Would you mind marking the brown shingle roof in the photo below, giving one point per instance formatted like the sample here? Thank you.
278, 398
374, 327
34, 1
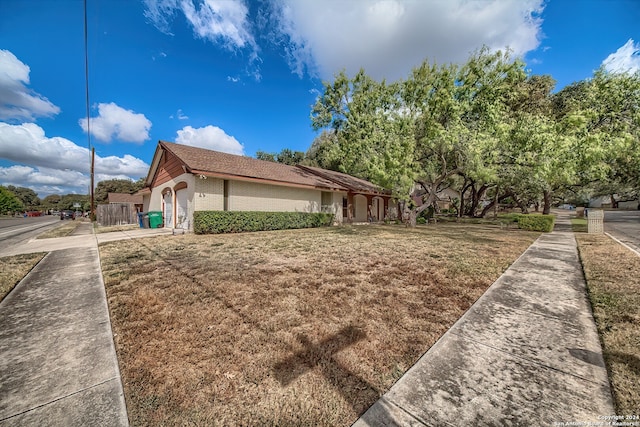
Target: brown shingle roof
200, 160
124, 198
351, 182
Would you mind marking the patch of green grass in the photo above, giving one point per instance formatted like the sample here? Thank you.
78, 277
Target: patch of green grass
14, 268
579, 225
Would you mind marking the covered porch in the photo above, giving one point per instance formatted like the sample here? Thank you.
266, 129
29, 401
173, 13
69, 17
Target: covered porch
366, 207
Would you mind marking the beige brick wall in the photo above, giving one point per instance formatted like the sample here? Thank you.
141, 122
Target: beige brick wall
337, 206
249, 196
209, 194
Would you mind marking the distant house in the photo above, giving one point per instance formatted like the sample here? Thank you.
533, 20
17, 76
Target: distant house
119, 198
444, 199
184, 179
606, 202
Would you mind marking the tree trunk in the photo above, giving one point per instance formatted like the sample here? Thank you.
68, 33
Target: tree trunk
471, 207
493, 204
465, 187
546, 195
477, 195
412, 219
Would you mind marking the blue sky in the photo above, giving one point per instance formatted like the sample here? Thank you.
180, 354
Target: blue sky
241, 75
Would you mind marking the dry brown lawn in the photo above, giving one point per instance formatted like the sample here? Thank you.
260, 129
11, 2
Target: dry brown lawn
613, 279
299, 327
14, 268
64, 229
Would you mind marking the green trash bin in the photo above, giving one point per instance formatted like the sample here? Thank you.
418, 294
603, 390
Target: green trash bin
155, 219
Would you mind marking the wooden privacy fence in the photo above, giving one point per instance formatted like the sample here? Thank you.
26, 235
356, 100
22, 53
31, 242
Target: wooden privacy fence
116, 214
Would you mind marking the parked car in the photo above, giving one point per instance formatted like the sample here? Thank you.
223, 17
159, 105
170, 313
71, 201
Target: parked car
67, 215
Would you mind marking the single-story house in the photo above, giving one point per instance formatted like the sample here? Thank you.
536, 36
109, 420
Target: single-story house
606, 202
184, 179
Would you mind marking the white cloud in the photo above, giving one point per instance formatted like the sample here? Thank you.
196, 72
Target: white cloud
389, 37
114, 121
17, 102
45, 181
57, 165
180, 115
209, 137
221, 22
624, 60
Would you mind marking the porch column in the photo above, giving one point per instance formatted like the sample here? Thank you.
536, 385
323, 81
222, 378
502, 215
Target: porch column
385, 201
349, 207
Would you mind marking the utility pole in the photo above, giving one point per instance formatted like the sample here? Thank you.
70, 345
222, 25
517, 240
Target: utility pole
92, 214
86, 76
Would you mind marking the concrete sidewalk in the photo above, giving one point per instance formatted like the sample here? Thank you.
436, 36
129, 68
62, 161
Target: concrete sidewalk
527, 353
58, 364
80, 239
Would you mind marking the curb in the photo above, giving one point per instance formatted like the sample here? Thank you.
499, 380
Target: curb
623, 244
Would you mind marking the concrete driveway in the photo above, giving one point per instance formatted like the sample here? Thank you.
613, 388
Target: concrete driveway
624, 226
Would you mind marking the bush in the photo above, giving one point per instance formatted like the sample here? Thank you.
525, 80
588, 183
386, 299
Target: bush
533, 222
421, 220
214, 222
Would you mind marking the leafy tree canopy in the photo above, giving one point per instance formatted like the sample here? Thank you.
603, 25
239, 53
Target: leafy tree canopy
286, 156
9, 202
487, 128
27, 196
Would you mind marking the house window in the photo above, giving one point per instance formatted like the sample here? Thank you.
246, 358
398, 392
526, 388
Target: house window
226, 194
345, 207
327, 201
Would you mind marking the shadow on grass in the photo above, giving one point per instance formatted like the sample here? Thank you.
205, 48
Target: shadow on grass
353, 389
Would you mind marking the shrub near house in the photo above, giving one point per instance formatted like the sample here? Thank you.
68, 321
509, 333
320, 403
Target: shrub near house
532, 222
213, 222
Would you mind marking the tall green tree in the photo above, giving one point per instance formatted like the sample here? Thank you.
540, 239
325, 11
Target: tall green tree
416, 136
9, 202
27, 196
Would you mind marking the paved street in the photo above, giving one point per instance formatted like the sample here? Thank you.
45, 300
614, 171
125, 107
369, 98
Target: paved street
624, 226
16, 231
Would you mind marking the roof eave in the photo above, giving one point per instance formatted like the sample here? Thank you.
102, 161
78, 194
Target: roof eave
265, 181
